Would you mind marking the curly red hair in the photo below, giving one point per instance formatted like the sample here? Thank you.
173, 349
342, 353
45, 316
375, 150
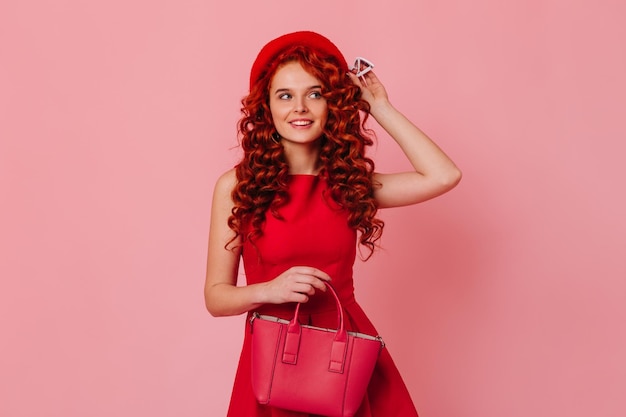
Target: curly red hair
263, 172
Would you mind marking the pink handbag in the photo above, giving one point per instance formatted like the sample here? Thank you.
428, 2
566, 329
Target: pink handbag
311, 369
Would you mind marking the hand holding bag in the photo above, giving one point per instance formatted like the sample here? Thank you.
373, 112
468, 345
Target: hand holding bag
311, 369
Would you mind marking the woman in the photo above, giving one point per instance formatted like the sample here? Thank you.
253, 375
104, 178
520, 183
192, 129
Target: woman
302, 195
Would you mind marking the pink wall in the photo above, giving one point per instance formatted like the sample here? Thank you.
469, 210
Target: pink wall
504, 298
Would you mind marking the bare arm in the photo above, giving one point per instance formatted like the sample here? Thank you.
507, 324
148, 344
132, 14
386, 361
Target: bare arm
222, 295
434, 174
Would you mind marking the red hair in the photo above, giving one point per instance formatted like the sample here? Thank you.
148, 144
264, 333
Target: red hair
263, 172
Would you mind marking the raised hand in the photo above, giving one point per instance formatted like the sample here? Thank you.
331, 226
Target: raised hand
372, 89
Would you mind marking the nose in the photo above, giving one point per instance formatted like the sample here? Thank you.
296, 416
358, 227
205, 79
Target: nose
300, 105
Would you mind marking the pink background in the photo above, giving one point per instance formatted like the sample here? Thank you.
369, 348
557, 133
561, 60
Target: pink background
505, 297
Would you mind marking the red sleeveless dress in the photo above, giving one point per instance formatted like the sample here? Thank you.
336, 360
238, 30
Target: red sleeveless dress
314, 232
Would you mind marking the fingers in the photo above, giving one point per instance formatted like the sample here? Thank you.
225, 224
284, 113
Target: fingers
355, 80
366, 81
371, 77
308, 271
309, 280
296, 284
305, 289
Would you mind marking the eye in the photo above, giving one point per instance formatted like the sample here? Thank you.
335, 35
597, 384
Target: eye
284, 96
316, 94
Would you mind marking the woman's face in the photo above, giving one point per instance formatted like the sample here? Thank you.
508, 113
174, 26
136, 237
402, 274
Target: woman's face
299, 111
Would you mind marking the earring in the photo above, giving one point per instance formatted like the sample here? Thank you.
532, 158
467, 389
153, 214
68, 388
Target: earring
276, 138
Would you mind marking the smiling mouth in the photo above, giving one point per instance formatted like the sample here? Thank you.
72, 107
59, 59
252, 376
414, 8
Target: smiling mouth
301, 122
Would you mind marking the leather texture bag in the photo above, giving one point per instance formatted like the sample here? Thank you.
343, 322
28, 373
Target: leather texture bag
311, 369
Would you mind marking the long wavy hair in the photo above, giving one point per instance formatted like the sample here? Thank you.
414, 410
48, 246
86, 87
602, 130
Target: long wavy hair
263, 172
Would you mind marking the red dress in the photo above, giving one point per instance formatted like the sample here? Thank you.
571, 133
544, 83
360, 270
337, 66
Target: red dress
314, 232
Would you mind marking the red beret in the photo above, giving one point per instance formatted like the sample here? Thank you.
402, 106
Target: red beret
313, 40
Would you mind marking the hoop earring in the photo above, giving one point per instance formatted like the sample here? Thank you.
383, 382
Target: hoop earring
276, 138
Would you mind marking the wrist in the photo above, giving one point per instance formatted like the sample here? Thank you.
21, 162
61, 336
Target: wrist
259, 295
381, 108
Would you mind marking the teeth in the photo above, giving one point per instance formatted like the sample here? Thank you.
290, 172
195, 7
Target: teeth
301, 122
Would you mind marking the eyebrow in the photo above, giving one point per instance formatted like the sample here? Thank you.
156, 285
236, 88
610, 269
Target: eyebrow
286, 90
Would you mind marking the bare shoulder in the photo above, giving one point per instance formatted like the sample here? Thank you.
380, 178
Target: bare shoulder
225, 183
222, 193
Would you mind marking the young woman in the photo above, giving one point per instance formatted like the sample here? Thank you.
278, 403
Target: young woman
304, 197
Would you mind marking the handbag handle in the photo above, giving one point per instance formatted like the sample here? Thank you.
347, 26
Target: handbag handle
339, 345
